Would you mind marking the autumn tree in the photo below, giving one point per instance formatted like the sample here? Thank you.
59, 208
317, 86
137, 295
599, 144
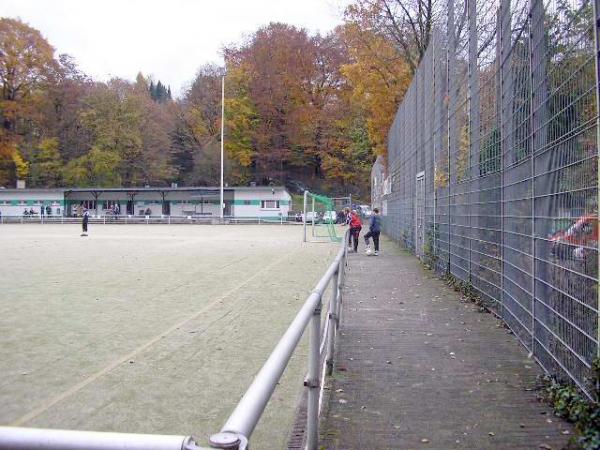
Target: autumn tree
129, 138
378, 76
407, 25
291, 85
241, 120
197, 131
26, 63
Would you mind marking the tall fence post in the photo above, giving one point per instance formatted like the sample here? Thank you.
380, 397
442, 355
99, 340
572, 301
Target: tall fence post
474, 123
312, 383
534, 41
451, 65
504, 66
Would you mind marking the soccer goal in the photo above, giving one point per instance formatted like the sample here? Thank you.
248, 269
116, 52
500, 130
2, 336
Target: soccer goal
320, 213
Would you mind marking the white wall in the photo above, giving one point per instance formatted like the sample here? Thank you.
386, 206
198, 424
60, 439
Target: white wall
54, 199
257, 195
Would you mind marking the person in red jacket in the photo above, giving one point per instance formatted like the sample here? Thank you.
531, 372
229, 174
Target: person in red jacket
355, 227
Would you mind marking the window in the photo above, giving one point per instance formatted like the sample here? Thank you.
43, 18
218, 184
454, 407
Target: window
89, 204
247, 202
109, 204
269, 204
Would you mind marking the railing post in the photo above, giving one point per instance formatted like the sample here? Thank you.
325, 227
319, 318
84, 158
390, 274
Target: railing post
313, 217
333, 320
340, 283
312, 382
304, 216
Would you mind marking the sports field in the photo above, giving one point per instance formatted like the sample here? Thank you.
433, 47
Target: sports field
150, 329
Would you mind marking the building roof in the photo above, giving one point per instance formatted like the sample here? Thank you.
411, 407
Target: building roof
149, 189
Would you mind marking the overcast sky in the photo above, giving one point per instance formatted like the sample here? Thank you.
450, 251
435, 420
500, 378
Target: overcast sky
166, 39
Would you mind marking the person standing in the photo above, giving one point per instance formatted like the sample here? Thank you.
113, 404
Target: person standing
355, 227
374, 231
346, 221
84, 222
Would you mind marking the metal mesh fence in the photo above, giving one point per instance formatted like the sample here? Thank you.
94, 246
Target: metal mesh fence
493, 168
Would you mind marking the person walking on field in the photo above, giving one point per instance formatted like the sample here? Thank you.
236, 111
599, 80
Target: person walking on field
374, 231
355, 227
84, 222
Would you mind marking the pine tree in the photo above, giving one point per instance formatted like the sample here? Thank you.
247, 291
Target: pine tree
152, 90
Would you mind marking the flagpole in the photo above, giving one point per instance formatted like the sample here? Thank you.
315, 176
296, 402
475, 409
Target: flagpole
222, 136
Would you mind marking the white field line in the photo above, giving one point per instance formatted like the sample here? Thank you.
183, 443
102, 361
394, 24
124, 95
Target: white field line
77, 387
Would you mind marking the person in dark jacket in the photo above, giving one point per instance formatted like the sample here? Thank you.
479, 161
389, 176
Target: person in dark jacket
374, 230
84, 222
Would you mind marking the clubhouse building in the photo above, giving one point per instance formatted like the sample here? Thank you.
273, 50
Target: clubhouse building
240, 202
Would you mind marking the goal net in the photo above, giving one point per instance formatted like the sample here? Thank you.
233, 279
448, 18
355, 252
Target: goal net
320, 217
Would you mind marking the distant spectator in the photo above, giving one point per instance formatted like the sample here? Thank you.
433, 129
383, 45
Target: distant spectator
84, 223
48, 210
347, 222
355, 227
42, 210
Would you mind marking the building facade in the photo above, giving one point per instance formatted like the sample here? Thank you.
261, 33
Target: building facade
379, 185
240, 202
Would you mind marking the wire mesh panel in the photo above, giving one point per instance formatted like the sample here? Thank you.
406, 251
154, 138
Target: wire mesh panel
493, 166
564, 140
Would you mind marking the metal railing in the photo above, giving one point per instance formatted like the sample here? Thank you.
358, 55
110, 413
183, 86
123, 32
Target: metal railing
238, 429
146, 220
493, 167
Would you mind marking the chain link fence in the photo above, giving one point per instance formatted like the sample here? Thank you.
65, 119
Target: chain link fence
493, 169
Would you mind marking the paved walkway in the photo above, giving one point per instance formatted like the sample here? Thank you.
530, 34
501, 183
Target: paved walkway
417, 368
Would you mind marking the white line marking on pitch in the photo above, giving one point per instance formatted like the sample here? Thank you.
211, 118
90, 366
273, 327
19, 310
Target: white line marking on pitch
54, 400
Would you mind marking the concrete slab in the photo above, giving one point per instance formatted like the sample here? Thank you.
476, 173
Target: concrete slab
417, 368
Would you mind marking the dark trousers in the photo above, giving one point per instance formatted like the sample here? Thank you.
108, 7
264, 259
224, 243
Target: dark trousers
354, 233
375, 236
84, 224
